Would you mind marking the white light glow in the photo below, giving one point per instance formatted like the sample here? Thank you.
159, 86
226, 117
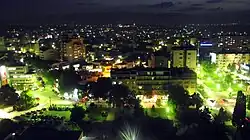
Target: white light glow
66, 95
129, 133
75, 95
213, 57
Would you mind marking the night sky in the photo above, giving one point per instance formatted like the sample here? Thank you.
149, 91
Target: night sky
35, 10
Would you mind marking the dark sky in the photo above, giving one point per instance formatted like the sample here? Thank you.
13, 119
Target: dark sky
46, 10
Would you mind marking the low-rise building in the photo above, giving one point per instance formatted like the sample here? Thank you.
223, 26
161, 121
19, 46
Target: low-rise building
155, 79
223, 59
20, 77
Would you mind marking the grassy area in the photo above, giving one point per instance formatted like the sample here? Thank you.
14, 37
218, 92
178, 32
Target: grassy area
65, 114
163, 113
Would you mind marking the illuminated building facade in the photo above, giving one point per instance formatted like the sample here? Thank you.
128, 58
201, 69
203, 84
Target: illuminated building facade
3, 76
155, 79
74, 50
106, 70
223, 59
184, 57
20, 78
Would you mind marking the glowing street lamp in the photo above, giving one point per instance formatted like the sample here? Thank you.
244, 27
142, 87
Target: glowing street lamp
75, 95
66, 95
218, 86
209, 79
220, 75
167, 109
230, 89
129, 133
240, 85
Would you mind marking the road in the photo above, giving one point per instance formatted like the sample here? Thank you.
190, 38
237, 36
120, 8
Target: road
46, 97
218, 97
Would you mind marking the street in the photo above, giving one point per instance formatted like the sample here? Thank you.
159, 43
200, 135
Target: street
46, 98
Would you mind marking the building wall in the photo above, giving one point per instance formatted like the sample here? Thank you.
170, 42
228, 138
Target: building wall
178, 58
17, 70
75, 50
223, 60
154, 80
19, 78
23, 81
184, 58
191, 59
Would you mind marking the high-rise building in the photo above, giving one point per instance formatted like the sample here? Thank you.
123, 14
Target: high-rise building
158, 60
74, 50
184, 57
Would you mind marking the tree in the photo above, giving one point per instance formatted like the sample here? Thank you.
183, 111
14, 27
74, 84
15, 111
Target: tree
231, 67
119, 94
208, 67
178, 95
24, 102
228, 79
159, 128
68, 80
102, 87
49, 77
77, 113
239, 113
248, 102
222, 116
196, 100
8, 96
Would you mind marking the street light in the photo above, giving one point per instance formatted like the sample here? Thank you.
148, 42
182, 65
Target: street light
240, 85
218, 86
230, 89
209, 79
220, 75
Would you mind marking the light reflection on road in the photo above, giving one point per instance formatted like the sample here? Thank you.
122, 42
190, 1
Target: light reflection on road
46, 97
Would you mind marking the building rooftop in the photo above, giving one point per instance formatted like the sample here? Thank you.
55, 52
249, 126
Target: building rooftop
232, 52
39, 133
189, 47
15, 64
160, 53
176, 72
